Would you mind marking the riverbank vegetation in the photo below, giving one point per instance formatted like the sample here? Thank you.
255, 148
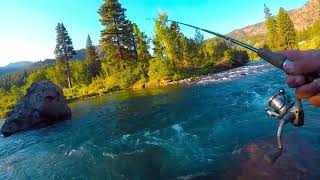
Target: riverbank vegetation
122, 60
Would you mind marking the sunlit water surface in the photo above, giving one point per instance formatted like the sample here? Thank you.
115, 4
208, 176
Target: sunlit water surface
178, 132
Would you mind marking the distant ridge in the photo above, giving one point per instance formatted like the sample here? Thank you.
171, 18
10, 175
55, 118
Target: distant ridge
28, 65
13, 67
302, 18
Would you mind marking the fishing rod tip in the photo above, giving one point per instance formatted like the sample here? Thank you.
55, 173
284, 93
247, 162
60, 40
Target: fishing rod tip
151, 19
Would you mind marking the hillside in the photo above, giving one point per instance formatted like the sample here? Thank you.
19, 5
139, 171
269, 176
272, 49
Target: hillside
29, 66
12, 67
302, 18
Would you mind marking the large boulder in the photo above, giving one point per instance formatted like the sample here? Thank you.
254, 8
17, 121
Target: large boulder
43, 105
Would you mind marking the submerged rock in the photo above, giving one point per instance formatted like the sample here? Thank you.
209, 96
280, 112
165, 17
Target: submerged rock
43, 105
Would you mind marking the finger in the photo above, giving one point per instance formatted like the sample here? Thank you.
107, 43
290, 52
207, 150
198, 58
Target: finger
302, 67
293, 55
315, 100
294, 81
308, 90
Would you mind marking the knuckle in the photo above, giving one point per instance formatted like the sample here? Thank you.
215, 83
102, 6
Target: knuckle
316, 84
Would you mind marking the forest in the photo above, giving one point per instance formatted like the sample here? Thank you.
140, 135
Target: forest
123, 58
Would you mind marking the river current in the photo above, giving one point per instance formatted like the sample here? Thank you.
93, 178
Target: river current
177, 132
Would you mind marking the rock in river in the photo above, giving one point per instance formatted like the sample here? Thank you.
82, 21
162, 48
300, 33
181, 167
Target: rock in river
43, 105
299, 160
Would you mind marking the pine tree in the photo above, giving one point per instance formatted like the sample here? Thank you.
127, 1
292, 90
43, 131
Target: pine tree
271, 26
198, 37
267, 13
199, 41
142, 44
117, 37
159, 35
92, 60
172, 44
64, 50
287, 36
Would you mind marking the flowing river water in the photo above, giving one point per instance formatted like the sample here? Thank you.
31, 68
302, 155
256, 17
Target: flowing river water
178, 132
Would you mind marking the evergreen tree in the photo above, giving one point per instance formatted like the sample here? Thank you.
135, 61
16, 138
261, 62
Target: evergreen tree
287, 37
267, 13
142, 44
198, 37
92, 60
196, 46
173, 45
117, 37
271, 26
160, 35
64, 50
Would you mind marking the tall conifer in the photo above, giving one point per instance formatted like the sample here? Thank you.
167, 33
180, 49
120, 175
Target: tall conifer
287, 36
64, 50
117, 37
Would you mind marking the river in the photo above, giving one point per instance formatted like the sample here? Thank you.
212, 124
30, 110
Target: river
177, 132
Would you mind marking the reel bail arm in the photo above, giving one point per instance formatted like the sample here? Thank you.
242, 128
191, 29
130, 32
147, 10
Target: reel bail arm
281, 107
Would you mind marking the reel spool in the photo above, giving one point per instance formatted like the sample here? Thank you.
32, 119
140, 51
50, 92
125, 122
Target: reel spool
281, 107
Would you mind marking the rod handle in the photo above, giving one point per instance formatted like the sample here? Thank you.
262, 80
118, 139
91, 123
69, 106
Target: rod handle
278, 60
273, 58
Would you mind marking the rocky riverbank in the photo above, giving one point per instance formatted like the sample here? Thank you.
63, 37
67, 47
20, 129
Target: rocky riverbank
222, 74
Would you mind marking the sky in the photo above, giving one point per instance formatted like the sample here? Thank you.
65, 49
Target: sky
27, 30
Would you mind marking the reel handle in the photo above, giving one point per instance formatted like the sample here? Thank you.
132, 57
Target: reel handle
278, 61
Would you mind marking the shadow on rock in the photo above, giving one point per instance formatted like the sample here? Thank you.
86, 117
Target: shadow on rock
299, 160
43, 105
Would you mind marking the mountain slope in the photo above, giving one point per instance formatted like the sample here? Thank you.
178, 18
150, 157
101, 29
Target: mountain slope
302, 18
28, 65
13, 67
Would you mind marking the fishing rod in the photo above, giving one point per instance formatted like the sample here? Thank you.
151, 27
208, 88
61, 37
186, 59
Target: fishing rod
280, 105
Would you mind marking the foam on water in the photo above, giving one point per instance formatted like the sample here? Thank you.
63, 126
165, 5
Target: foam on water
178, 128
235, 73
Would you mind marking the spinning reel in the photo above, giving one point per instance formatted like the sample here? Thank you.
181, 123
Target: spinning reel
281, 107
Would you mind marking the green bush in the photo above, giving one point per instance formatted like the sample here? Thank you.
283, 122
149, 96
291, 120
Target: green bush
8, 101
35, 76
160, 69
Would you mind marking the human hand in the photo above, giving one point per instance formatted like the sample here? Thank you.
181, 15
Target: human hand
300, 64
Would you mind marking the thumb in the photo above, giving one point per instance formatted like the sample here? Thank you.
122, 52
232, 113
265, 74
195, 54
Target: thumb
301, 62
302, 67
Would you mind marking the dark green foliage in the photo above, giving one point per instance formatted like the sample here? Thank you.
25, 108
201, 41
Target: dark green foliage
64, 48
272, 34
287, 38
142, 44
14, 79
281, 34
64, 51
92, 60
117, 38
198, 37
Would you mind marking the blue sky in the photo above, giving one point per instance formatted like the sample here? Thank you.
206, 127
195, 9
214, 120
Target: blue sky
27, 26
